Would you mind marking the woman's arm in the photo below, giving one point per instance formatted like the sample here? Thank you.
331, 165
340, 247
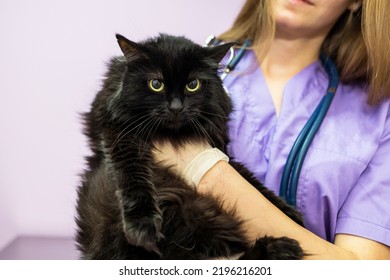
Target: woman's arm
260, 215
263, 218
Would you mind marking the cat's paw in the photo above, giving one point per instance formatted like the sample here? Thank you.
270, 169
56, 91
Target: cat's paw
284, 248
144, 232
271, 248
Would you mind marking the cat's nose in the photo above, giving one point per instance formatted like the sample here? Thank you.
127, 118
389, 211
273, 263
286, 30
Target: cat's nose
176, 106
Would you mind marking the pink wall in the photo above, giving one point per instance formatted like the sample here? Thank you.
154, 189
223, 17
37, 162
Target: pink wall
52, 56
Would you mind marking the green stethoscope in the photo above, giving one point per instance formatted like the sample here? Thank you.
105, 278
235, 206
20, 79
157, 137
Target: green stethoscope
296, 157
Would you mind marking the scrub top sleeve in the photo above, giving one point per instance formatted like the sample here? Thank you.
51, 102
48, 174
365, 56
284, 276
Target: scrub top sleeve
366, 211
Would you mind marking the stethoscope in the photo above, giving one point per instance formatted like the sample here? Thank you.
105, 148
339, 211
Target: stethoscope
296, 157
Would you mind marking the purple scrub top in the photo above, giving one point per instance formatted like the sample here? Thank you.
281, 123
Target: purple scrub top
344, 185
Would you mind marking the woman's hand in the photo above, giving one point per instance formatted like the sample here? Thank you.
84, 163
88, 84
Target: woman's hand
178, 157
191, 160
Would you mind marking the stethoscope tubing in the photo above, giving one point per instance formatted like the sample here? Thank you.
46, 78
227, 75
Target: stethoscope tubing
295, 160
318, 118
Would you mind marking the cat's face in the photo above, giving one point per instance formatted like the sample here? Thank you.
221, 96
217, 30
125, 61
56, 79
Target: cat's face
171, 88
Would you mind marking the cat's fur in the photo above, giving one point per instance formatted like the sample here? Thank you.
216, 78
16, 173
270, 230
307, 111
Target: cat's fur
130, 207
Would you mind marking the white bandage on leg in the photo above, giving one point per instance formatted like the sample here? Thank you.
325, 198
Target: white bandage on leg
202, 163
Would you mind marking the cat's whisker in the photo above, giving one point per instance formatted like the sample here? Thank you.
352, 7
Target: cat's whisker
125, 131
222, 116
133, 120
148, 130
211, 123
196, 128
142, 128
153, 128
203, 131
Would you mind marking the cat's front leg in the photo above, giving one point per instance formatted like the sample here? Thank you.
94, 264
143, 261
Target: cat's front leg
141, 220
141, 215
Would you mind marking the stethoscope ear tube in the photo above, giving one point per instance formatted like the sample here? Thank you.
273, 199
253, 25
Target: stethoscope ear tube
294, 163
232, 64
234, 57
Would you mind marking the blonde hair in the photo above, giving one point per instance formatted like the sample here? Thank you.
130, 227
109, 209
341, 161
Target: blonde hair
254, 22
359, 43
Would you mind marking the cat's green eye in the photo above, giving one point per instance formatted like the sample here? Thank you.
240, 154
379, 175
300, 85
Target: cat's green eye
156, 85
193, 86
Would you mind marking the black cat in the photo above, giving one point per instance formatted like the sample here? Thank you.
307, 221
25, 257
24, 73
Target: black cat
129, 207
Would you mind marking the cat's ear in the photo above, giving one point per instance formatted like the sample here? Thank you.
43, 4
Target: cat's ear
217, 53
129, 48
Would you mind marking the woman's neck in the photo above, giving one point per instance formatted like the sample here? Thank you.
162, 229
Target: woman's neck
285, 59
288, 57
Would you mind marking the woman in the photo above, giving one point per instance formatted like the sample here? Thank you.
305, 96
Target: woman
344, 185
